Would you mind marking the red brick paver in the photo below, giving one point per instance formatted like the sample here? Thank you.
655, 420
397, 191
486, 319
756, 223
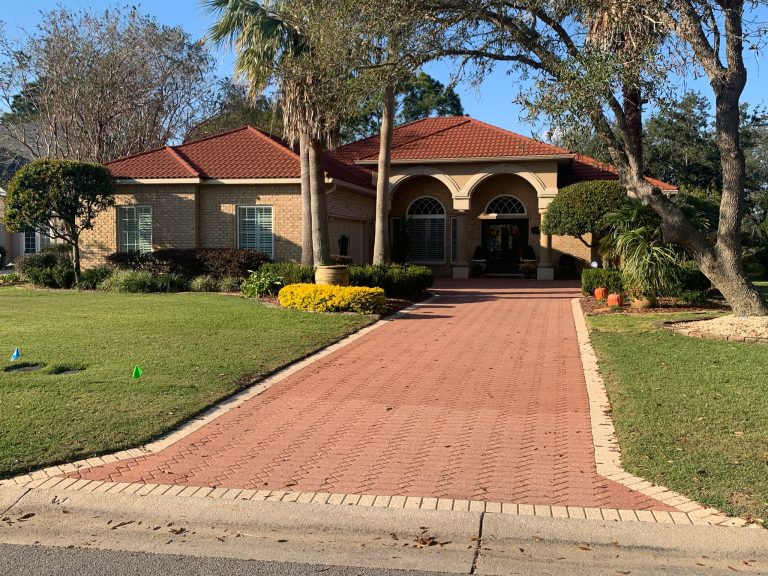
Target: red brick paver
477, 395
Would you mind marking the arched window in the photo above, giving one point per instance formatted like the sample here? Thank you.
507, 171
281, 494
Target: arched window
505, 205
426, 230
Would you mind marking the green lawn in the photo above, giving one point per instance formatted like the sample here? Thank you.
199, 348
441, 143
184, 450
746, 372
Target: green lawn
193, 348
690, 414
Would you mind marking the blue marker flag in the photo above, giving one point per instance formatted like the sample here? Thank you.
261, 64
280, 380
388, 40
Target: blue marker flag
16, 355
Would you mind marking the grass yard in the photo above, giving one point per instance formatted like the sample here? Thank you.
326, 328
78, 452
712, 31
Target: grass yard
690, 414
193, 348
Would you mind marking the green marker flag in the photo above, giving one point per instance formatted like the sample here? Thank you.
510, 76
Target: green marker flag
137, 372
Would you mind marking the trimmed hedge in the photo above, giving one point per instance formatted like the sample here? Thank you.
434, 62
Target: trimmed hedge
397, 280
290, 272
318, 298
49, 268
190, 263
592, 278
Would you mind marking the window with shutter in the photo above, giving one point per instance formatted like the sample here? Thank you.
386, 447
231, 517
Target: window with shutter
426, 230
254, 229
134, 228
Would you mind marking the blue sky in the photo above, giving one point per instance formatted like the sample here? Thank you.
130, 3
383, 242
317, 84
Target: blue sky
491, 102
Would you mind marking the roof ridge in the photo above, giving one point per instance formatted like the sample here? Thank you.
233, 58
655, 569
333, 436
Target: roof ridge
213, 136
137, 154
509, 132
273, 142
411, 123
466, 120
183, 161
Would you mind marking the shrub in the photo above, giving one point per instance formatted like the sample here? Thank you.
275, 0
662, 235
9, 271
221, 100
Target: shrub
693, 297
130, 281
204, 283
592, 278
236, 262
692, 279
142, 281
51, 267
190, 263
261, 283
7, 279
316, 298
229, 284
91, 278
396, 279
291, 272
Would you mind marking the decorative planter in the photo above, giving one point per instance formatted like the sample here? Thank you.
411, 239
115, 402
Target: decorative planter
615, 300
337, 275
601, 293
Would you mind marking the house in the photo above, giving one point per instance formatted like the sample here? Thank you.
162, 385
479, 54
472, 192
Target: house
19, 244
459, 189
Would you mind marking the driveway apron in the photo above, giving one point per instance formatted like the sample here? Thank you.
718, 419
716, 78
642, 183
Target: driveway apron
478, 394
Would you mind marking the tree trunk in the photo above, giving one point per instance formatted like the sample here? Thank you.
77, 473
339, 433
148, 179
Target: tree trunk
320, 244
76, 257
307, 252
381, 235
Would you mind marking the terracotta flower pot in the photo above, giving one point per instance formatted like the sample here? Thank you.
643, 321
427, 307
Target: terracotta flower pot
615, 300
601, 293
644, 302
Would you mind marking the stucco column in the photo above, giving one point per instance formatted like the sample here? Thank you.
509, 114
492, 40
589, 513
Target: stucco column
461, 266
545, 271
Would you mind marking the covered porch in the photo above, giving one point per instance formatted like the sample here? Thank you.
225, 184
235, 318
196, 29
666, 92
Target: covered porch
466, 221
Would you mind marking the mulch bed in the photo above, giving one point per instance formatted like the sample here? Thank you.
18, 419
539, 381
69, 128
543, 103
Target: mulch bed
666, 306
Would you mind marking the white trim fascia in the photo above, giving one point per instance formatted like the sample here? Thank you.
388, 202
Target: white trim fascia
473, 160
250, 181
128, 181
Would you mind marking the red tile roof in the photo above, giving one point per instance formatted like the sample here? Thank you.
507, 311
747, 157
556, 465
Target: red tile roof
249, 153
587, 168
448, 138
245, 153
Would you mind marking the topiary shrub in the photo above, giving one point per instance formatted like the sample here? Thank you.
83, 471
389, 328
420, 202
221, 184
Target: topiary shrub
50, 268
316, 298
291, 272
592, 278
261, 283
578, 209
397, 280
204, 283
91, 278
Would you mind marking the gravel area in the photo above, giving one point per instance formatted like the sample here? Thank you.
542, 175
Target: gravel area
744, 327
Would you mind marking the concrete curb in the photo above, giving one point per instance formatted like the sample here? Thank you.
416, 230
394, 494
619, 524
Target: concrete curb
608, 453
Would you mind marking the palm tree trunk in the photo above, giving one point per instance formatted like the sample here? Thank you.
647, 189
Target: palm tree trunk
381, 234
307, 251
320, 243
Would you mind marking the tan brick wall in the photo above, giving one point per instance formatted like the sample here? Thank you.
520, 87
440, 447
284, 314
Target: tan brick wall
173, 220
218, 220
570, 245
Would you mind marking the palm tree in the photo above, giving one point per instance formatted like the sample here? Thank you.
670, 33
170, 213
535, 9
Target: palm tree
272, 49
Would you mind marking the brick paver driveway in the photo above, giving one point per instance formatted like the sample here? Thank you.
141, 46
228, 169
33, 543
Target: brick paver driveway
477, 395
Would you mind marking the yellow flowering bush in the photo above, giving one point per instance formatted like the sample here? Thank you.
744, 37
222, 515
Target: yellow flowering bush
318, 298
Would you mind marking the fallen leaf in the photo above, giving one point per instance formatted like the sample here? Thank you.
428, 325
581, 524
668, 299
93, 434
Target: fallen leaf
27, 516
121, 524
394, 536
584, 548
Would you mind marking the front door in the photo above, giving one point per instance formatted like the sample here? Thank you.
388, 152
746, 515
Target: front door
504, 242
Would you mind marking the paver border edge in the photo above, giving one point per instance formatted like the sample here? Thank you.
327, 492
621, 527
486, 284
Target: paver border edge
606, 444
214, 411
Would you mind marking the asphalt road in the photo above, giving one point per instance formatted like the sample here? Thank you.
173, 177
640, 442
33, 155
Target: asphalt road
45, 561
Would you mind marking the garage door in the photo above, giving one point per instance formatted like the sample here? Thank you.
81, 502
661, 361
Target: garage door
358, 240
